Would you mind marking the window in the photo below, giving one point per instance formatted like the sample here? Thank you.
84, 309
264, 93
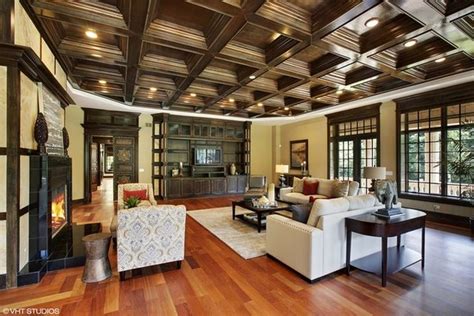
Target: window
437, 151
353, 145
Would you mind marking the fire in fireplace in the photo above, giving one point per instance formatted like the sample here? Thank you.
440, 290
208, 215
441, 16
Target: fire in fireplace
58, 210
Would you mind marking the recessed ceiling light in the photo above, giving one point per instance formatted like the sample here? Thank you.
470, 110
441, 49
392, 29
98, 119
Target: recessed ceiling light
102, 81
440, 60
96, 55
231, 100
252, 77
371, 22
186, 101
222, 105
410, 43
339, 92
105, 91
91, 34
260, 104
153, 89
193, 94
286, 108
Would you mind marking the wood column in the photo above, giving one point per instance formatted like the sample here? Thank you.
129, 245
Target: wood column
13, 173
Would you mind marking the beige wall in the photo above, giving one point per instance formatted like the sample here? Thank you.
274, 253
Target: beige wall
27, 34
261, 149
145, 148
74, 119
315, 131
388, 138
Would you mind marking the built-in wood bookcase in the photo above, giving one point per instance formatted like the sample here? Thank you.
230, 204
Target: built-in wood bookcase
175, 141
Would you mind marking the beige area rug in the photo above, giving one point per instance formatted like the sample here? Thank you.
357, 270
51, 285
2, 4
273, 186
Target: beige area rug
243, 238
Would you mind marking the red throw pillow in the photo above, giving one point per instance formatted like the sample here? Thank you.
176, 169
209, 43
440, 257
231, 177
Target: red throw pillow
312, 199
141, 194
310, 187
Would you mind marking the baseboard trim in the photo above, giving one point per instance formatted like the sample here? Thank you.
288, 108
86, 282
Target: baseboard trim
77, 202
450, 219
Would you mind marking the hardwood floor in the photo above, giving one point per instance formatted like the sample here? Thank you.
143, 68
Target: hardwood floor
215, 280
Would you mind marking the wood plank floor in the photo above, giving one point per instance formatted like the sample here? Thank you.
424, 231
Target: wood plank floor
214, 280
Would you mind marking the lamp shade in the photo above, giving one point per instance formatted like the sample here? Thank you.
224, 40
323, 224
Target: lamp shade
281, 169
375, 172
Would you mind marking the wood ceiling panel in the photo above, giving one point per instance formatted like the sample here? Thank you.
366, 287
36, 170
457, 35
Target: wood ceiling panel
292, 54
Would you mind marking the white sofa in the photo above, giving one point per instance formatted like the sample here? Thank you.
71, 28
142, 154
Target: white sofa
315, 251
325, 191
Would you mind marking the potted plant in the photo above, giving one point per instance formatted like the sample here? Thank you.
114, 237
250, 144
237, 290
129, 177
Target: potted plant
132, 201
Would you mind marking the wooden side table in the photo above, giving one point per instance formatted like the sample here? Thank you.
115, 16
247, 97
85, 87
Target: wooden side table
389, 260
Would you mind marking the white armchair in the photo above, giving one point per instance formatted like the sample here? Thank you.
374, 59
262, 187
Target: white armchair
150, 235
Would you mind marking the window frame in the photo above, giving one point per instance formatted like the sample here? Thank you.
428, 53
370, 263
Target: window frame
364, 113
442, 98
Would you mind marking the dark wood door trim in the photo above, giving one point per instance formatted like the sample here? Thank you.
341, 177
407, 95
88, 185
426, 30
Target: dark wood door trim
13, 174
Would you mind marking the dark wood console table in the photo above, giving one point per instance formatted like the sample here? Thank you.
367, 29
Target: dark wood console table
389, 260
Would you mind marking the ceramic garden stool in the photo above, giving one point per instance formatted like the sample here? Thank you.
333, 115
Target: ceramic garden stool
97, 267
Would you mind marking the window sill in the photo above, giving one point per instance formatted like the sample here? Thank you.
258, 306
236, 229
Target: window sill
434, 198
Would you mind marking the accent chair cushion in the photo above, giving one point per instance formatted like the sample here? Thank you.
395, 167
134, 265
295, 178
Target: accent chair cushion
298, 185
141, 194
301, 212
310, 187
353, 188
324, 207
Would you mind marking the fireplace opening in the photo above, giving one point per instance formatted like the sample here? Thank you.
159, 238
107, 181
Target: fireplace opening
58, 210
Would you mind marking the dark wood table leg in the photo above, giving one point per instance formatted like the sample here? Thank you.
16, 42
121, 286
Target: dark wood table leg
259, 221
384, 261
233, 210
348, 252
399, 241
423, 247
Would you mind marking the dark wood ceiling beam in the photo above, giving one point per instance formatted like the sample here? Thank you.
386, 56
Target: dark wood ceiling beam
277, 27
67, 14
217, 6
344, 19
286, 83
136, 25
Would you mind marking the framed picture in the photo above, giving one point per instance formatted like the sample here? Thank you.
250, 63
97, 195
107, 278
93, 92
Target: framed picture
298, 153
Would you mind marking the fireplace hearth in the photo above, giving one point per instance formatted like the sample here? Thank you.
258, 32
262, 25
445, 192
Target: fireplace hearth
54, 242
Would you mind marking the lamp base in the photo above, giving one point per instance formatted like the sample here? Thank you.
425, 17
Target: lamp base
384, 213
282, 181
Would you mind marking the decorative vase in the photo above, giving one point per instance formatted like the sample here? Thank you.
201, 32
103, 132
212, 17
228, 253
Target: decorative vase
65, 141
232, 169
271, 193
41, 132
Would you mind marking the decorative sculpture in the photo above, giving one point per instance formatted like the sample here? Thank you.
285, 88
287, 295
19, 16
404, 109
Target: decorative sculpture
41, 132
65, 141
386, 193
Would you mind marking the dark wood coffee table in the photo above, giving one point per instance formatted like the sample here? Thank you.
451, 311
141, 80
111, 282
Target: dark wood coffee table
261, 212
389, 260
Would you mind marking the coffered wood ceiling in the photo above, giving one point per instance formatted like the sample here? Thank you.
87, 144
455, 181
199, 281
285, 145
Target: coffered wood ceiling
301, 52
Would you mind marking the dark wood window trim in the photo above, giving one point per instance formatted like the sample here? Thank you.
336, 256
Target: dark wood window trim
463, 93
363, 113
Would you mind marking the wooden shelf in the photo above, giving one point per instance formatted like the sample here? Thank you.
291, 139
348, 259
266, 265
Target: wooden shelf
397, 260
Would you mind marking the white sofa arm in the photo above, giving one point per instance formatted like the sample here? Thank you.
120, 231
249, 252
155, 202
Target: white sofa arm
285, 191
297, 245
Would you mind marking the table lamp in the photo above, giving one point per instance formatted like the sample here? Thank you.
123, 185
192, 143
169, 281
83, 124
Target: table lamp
374, 173
282, 169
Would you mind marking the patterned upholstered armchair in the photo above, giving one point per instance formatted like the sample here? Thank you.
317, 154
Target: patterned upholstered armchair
121, 203
135, 187
150, 235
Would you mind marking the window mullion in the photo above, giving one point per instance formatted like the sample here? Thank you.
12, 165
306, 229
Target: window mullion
444, 151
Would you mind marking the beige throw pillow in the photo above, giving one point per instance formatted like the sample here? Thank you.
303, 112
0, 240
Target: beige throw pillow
353, 188
298, 185
340, 189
